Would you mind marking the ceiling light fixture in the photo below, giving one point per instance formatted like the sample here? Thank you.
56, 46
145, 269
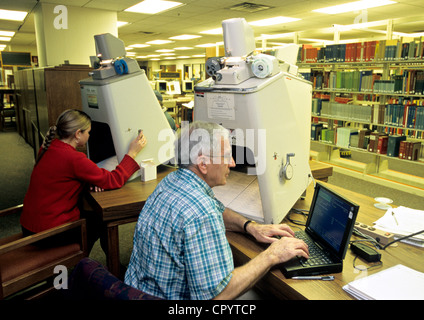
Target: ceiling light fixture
12, 15
364, 25
354, 6
206, 45
153, 6
213, 31
272, 21
7, 33
165, 50
5, 38
121, 23
183, 48
159, 41
275, 36
139, 45
185, 37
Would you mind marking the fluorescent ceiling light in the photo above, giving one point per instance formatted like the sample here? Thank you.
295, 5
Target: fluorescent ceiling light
165, 50
183, 57
272, 21
159, 41
185, 37
206, 45
139, 45
198, 55
12, 15
412, 35
153, 6
121, 23
5, 38
7, 33
155, 59
183, 48
168, 54
354, 6
153, 55
276, 36
213, 31
170, 58
364, 25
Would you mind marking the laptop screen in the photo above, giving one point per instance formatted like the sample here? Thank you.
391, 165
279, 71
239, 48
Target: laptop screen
331, 219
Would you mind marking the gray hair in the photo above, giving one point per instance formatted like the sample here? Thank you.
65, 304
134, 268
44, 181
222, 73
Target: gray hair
198, 138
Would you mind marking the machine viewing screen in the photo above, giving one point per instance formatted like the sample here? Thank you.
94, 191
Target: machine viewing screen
100, 143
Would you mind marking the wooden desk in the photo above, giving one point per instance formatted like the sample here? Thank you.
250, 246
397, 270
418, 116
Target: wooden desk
123, 205
245, 249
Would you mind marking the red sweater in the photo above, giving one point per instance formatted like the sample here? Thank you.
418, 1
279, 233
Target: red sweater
57, 181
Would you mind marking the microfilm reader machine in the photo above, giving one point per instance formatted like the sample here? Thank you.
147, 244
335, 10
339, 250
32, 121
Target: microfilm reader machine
266, 106
120, 102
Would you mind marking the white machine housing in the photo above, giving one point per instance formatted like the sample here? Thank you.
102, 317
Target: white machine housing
276, 110
120, 106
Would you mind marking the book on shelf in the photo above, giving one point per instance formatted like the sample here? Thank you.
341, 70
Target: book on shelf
363, 138
382, 144
404, 49
316, 129
409, 150
412, 151
378, 114
344, 111
327, 135
373, 143
344, 136
393, 145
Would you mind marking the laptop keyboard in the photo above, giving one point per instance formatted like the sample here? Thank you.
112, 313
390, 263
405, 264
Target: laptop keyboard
316, 256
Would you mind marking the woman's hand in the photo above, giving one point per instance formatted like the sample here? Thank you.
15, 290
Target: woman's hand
96, 189
137, 144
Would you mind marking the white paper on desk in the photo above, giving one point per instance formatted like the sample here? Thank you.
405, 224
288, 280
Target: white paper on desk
402, 221
395, 283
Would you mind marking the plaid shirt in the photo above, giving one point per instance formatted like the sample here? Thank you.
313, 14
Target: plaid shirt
180, 248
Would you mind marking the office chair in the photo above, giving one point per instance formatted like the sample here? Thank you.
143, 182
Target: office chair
23, 264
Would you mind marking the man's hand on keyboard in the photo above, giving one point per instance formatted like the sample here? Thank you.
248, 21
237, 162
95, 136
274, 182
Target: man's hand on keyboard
268, 233
286, 248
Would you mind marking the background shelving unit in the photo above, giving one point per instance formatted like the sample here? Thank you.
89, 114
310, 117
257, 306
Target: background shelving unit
375, 167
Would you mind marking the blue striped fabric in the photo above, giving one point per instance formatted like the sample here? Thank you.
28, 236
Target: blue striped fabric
180, 248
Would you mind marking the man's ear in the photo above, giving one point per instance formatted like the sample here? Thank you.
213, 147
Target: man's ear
202, 162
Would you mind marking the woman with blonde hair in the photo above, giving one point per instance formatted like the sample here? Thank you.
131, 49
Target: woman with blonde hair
61, 173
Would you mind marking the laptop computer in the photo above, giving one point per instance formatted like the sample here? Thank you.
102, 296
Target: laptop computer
327, 232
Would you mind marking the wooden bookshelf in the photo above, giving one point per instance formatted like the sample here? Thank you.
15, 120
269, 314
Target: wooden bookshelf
380, 103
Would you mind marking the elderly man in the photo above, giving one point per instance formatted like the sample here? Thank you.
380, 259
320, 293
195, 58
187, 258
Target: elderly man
180, 248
